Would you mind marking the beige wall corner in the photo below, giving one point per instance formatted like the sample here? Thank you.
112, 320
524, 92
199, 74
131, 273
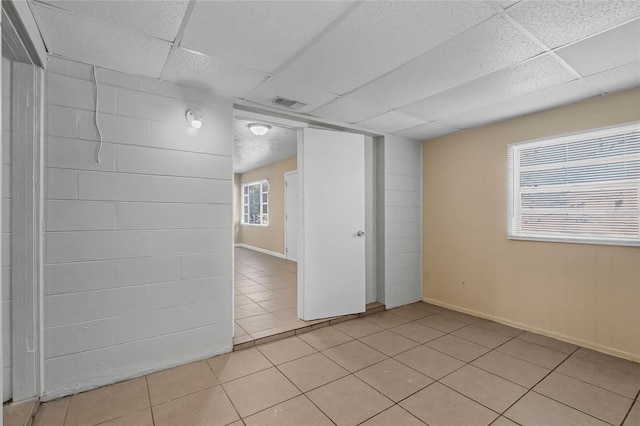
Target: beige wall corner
585, 293
269, 237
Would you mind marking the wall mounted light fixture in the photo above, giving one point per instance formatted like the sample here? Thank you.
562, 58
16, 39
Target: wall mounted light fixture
259, 129
194, 118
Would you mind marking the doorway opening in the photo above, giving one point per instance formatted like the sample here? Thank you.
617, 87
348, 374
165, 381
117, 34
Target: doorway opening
265, 266
292, 252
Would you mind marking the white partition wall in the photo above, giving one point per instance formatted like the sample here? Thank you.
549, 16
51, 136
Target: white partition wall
138, 255
402, 221
6, 229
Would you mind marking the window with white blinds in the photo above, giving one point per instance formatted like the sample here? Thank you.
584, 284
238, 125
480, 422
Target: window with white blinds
577, 188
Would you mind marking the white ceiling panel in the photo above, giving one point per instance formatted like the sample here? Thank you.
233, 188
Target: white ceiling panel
611, 49
427, 131
488, 47
378, 37
528, 77
557, 23
161, 19
93, 42
200, 71
257, 34
549, 98
348, 110
390, 122
251, 151
621, 78
275, 86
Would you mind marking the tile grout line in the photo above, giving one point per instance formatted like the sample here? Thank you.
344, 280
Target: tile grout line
635, 401
469, 363
411, 368
66, 411
302, 393
500, 414
531, 389
545, 396
146, 380
225, 391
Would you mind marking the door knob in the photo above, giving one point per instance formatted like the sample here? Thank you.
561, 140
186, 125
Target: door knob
360, 233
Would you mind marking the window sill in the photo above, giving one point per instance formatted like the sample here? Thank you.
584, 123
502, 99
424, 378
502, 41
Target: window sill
570, 240
254, 224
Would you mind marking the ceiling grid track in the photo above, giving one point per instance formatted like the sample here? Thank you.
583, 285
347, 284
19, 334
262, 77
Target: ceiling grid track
176, 42
307, 46
503, 13
391, 71
363, 63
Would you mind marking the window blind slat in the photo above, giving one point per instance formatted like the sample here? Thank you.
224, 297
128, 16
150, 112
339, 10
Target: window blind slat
604, 147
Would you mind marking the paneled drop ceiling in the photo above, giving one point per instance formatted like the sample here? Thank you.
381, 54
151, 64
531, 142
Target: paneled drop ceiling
419, 69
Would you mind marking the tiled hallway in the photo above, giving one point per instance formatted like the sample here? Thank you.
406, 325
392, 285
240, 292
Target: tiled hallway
418, 364
265, 296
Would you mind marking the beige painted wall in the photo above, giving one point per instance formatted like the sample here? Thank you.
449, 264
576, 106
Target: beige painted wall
267, 237
586, 294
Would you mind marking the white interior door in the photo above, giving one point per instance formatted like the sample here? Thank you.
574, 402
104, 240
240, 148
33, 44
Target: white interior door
291, 215
331, 277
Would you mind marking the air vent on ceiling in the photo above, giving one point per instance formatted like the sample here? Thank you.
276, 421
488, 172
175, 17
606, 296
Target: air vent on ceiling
288, 103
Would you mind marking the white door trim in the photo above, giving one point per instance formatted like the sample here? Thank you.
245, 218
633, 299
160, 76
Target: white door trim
286, 203
27, 229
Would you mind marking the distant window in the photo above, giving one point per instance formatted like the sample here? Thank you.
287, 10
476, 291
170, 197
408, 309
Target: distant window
577, 188
255, 204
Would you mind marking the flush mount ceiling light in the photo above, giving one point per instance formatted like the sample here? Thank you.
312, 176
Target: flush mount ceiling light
194, 118
259, 129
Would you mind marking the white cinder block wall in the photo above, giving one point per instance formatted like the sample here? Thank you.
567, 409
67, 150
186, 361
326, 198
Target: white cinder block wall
138, 248
402, 221
6, 229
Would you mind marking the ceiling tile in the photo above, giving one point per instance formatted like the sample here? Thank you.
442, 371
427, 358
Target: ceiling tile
251, 151
531, 76
348, 110
161, 19
257, 34
101, 44
548, 98
390, 122
624, 77
605, 51
200, 71
378, 37
275, 86
557, 23
427, 131
488, 47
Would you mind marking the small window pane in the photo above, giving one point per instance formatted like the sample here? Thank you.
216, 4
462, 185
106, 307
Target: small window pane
254, 206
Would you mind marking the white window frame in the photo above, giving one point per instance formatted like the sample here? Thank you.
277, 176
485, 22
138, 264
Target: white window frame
514, 198
264, 205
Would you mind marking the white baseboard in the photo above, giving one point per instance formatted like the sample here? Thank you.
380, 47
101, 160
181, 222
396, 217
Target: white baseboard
261, 250
569, 339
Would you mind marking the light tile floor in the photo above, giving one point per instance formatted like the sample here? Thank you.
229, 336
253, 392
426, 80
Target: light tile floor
266, 298
265, 295
414, 365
